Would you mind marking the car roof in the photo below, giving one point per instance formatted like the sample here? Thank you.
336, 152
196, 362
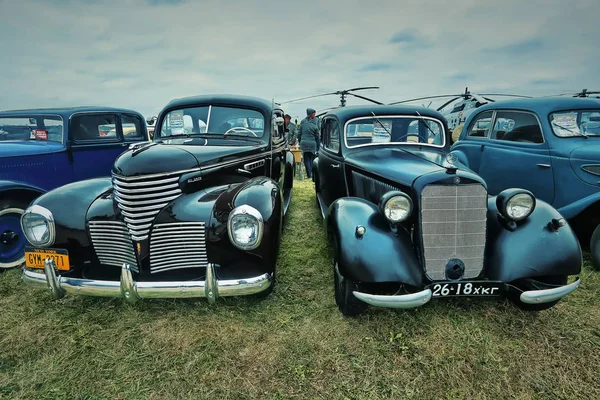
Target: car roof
65, 112
544, 105
223, 99
351, 112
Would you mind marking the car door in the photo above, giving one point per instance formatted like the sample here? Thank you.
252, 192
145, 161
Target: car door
476, 136
96, 140
332, 184
515, 155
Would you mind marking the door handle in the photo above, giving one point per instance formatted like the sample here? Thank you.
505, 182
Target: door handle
334, 165
543, 165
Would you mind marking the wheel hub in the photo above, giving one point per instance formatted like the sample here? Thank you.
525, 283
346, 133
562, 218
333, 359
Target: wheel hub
9, 237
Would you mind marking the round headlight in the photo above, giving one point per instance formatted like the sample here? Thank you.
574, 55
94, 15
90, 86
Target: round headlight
515, 204
37, 223
520, 206
396, 206
245, 227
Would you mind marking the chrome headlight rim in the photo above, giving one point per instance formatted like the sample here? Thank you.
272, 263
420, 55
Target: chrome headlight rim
510, 195
48, 217
248, 211
391, 195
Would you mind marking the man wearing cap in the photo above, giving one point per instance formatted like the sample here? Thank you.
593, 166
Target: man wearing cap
309, 137
291, 130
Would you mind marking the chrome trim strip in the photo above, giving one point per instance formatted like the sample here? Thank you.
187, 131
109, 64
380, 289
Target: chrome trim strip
548, 295
158, 195
166, 224
155, 207
129, 179
131, 290
396, 301
162, 200
182, 266
124, 189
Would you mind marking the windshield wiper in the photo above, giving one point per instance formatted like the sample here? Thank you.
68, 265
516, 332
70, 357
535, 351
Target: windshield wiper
569, 130
425, 123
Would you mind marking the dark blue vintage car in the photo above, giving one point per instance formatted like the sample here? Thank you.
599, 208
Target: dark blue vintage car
548, 146
407, 222
42, 149
198, 212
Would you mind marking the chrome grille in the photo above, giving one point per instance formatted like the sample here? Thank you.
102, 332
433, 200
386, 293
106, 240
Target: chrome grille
368, 188
141, 198
112, 243
177, 245
453, 222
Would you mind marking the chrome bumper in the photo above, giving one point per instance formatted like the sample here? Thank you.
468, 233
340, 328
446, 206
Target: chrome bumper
411, 300
548, 295
132, 291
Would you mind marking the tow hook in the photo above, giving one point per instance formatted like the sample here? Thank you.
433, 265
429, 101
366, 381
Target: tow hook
556, 224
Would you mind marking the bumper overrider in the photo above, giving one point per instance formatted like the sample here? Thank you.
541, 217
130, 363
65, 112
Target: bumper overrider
132, 291
417, 299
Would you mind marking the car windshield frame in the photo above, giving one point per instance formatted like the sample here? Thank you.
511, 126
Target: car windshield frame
384, 117
578, 133
262, 133
51, 117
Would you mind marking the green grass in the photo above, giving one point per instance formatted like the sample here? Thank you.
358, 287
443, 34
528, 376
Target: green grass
295, 343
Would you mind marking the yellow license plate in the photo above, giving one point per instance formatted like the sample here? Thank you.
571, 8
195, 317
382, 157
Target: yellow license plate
34, 258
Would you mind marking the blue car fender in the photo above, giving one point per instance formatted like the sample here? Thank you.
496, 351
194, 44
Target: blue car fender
572, 210
535, 248
378, 256
19, 187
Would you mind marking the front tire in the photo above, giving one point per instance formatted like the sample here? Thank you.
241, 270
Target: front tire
554, 280
595, 248
12, 239
347, 303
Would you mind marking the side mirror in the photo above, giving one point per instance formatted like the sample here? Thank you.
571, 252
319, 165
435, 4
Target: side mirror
151, 121
279, 121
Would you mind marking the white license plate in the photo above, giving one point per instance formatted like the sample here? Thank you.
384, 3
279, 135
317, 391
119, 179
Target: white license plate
466, 288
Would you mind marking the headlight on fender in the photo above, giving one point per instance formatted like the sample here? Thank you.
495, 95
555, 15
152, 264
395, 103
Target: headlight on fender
245, 227
396, 206
515, 204
37, 223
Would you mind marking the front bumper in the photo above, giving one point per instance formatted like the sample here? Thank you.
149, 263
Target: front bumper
132, 291
417, 299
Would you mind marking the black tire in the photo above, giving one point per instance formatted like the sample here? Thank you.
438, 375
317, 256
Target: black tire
348, 305
595, 248
11, 207
555, 280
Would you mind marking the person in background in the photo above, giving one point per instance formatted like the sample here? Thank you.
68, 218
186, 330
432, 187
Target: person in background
308, 137
291, 130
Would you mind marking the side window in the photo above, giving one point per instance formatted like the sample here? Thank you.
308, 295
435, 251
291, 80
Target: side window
277, 130
480, 125
132, 128
94, 127
515, 126
334, 136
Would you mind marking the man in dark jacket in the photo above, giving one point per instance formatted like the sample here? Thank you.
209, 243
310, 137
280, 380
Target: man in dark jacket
291, 130
308, 137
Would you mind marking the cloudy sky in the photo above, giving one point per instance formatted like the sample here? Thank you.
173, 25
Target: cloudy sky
142, 53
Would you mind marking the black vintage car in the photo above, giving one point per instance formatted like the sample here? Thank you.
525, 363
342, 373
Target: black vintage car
198, 212
407, 222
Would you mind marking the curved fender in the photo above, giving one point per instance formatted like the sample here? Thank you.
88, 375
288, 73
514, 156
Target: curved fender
289, 170
69, 205
533, 249
378, 256
572, 210
6, 186
462, 158
316, 174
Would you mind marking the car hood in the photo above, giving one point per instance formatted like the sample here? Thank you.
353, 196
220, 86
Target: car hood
28, 148
155, 158
586, 157
397, 165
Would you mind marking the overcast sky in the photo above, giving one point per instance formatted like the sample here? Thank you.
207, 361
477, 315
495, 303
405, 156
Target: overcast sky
140, 54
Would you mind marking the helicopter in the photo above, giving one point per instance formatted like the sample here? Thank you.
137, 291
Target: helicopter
595, 94
461, 109
343, 95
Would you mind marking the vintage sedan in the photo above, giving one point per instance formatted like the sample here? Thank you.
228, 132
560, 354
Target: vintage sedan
549, 146
408, 223
42, 149
196, 213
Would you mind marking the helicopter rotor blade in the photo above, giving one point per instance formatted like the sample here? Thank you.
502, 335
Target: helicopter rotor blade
427, 98
361, 88
308, 97
365, 98
448, 102
505, 95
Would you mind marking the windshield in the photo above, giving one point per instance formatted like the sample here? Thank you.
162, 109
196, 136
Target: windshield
213, 120
401, 129
576, 123
31, 128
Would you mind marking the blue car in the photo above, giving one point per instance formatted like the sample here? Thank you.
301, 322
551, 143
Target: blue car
549, 146
43, 149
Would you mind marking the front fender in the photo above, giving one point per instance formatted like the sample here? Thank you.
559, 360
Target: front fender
6, 186
572, 210
533, 249
380, 255
289, 170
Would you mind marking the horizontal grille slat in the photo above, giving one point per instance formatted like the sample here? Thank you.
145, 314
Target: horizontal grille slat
453, 226
369, 188
112, 243
177, 245
122, 188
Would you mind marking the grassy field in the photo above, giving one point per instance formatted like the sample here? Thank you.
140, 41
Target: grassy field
295, 343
